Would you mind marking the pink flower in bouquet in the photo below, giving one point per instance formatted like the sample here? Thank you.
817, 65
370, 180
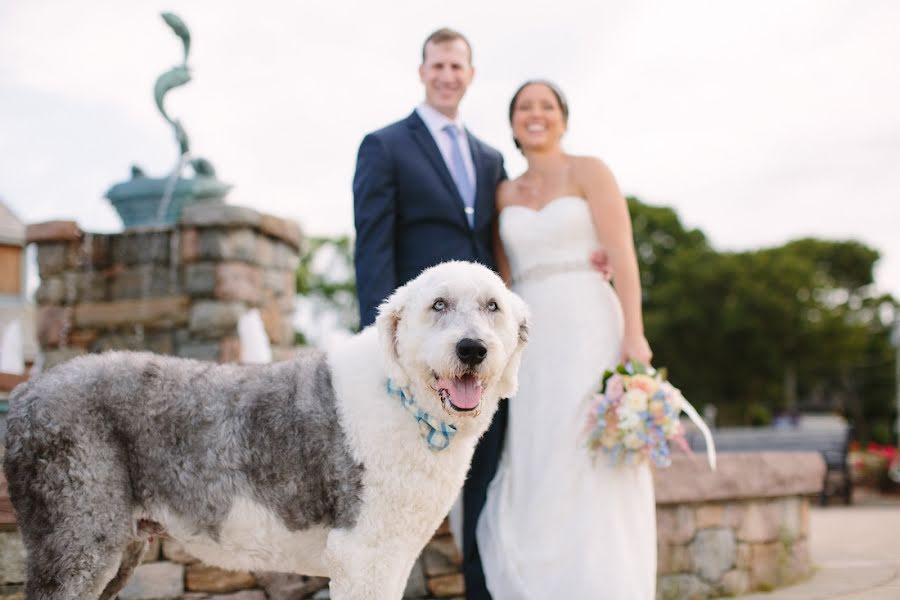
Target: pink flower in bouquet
641, 382
615, 387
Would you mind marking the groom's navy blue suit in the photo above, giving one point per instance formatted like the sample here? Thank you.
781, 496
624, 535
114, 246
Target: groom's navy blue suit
410, 216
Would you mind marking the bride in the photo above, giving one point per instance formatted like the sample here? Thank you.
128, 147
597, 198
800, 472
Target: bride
556, 524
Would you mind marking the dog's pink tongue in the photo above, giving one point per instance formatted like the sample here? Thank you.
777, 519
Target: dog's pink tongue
465, 391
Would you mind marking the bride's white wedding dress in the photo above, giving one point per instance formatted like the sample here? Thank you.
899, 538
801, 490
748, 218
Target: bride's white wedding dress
556, 524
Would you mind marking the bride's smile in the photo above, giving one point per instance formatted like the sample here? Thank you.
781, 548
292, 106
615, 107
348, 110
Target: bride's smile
538, 122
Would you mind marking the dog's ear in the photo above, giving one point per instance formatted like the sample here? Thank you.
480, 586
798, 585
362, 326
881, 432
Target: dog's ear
390, 312
509, 381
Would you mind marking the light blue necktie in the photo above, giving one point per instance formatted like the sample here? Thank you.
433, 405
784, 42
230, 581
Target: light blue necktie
460, 175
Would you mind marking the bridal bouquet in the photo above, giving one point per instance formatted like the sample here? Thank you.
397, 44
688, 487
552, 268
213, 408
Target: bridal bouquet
635, 415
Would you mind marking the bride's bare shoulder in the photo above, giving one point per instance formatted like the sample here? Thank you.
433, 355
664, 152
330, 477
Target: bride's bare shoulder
589, 166
506, 191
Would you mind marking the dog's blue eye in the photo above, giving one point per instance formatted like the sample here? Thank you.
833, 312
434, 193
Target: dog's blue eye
493, 306
439, 305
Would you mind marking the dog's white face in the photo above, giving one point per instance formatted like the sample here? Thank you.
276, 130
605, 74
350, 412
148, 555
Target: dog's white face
456, 333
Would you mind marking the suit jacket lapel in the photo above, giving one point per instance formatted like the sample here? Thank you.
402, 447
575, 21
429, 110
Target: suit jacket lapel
429, 147
484, 207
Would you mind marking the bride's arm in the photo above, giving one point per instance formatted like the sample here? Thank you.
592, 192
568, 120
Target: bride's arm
613, 224
499, 253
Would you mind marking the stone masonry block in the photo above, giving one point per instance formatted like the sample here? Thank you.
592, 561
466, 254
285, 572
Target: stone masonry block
239, 281
791, 514
51, 231
675, 525
743, 556
447, 586
83, 338
144, 281
214, 319
155, 581
673, 559
190, 245
53, 325
52, 290
90, 286
12, 557
285, 257
681, 587
200, 279
229, 349
203, 578
714, 553
441, 556
150, 312
265, 251
237, 244
761, 522
138, 247
282, 229
208, 351
764, 565
55, 257
735, 583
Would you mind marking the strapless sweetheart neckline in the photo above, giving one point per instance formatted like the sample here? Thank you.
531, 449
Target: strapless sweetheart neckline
545, 206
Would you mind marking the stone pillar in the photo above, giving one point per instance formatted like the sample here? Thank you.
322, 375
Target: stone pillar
171, 290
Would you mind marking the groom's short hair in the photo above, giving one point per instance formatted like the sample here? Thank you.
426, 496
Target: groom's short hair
445, 34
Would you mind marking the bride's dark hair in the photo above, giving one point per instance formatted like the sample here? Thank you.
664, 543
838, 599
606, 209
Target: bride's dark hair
560, 98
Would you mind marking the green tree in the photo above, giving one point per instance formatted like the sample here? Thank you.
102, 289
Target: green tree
797, 326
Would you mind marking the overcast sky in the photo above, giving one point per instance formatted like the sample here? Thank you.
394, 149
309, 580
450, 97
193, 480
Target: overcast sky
758, 121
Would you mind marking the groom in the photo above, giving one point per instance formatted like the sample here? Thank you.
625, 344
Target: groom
423, 193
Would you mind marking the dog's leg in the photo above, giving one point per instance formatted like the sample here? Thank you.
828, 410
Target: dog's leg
62, 572
131, 558
74, 511
360, 570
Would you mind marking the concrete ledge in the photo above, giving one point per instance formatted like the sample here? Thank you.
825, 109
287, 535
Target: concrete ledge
739, 476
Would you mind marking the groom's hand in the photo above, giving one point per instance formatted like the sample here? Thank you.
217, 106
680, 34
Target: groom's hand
600, 262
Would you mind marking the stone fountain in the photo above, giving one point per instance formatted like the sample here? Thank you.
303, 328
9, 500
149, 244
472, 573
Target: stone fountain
155, 201
189, 276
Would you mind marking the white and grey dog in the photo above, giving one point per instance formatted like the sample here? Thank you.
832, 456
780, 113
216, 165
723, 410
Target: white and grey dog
340, 465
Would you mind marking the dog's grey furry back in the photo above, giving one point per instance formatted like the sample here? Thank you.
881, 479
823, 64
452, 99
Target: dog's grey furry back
151, 431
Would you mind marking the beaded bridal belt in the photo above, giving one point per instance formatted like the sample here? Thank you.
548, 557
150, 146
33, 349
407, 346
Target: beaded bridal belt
548, 269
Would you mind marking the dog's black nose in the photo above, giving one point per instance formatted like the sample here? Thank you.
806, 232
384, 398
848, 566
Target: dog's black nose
470, 351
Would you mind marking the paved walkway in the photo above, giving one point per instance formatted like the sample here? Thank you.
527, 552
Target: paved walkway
856, 551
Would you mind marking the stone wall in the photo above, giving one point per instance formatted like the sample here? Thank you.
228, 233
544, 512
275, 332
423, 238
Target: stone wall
172, 290
170, 573
743, 528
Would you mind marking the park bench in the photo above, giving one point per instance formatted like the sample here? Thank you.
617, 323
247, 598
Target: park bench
829, 440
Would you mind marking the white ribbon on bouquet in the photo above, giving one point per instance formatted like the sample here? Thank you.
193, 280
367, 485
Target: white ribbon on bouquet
688, 409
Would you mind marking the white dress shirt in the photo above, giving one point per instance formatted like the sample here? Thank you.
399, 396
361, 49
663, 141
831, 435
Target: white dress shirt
435, 122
